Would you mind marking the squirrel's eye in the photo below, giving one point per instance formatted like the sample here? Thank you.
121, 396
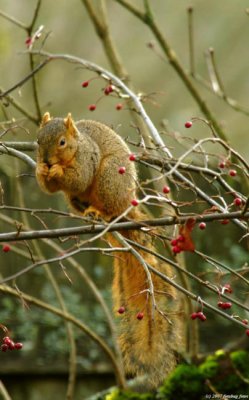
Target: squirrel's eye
62, 142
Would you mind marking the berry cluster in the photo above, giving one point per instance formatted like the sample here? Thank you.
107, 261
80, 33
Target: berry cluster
175, 244
139, 315
224, 305
107, 90
9, 344
225, 289
200, 315
225, 164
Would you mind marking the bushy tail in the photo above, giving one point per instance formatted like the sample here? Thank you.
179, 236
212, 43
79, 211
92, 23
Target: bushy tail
148, 337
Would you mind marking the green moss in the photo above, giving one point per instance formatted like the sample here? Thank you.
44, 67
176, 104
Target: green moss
240, 360
128, 395
185, 382
219, 369
209, 368
221, 372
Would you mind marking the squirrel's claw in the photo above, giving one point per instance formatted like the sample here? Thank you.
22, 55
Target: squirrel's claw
92, 211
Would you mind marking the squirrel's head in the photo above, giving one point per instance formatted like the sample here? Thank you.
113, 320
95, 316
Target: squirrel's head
57, 140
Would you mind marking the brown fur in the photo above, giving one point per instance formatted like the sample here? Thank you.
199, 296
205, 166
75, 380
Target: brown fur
82, 160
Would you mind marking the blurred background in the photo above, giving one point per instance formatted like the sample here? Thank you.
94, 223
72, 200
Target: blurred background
40, 370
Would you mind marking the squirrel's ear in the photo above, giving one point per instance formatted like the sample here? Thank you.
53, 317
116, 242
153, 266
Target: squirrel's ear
69, 124
46, 117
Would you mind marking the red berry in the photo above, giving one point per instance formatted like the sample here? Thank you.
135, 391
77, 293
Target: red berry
119, 106
237, 201
225, 221
245, 321
92, 107
232, 172
121, 170
227, 305
201, 316
108, 90
85, 84
193, 315
174, 242
202, 225
11, 345
132, 157
6, 248
181, 238
166, 189
176, 249
188, 124
6, 340
28, 41
228, 288
18, 346
247, 332
222, 164
4, 347
134, 202
140, 315
121, 310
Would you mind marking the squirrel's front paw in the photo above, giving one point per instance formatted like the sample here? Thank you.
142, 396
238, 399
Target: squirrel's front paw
56, 171
42, 169
93, 212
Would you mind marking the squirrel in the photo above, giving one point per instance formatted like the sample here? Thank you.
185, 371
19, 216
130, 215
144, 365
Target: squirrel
83, 160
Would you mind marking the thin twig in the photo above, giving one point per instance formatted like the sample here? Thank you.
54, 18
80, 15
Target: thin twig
191, 41
13, 20
69, 317
25, 79
175, 63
